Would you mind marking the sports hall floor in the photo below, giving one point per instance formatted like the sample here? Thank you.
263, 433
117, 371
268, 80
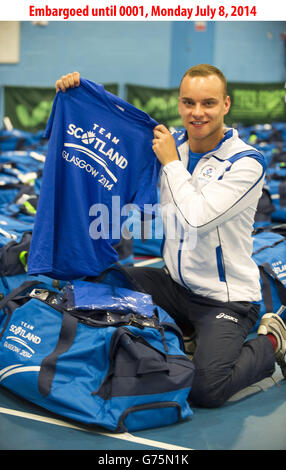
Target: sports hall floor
254, 419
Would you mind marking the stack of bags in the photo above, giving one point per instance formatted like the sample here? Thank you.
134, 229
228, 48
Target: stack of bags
271, 141
22, 158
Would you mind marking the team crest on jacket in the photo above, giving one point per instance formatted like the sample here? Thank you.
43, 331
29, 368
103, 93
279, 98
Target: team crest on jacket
207, 172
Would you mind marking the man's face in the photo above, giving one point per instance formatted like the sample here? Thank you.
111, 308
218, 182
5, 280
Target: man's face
202, 106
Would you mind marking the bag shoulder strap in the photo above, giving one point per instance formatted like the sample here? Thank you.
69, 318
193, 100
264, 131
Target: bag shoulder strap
17, 291
48, 365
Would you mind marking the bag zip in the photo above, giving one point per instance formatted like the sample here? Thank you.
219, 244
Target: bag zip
46, 296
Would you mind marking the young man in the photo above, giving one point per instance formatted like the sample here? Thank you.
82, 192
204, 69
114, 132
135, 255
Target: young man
210, 186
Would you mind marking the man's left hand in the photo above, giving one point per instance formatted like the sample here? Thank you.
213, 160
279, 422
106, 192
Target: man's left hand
164, 145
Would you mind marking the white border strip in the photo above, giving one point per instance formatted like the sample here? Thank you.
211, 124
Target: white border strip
123, 436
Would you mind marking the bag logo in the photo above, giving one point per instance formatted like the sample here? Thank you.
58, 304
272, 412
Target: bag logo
24, 339
279, 268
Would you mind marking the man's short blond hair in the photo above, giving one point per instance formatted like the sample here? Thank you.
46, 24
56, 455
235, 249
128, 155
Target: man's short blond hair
204, 70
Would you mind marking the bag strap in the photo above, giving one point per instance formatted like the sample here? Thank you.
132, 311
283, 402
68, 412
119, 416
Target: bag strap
48, 365
17, 297
274, 228
282, 193
8, 303
17, 291
272, 245
266, 290
120, 269
145, 407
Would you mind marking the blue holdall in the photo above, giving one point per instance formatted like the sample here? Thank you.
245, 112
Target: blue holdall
121, 370
276, 182
14, 249
269, 253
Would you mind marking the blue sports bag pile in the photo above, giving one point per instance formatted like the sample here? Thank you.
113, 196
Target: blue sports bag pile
269, 253
78, 353
276, 182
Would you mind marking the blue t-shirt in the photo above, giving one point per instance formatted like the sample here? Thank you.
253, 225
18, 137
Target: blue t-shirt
99, 159
194, 158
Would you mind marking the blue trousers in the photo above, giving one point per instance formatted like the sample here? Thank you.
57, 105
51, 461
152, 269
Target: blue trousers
225, 361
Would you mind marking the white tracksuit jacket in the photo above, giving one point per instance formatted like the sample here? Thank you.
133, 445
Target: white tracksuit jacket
215, 206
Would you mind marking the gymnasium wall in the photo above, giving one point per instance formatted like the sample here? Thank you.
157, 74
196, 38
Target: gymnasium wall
153, 54
251, 51
120, 52
245, 51
146, 53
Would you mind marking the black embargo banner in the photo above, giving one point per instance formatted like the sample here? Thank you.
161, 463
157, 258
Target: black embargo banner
251, 103
29, 108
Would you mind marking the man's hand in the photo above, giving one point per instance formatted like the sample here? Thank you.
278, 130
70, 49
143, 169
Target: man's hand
164, 145
70, 80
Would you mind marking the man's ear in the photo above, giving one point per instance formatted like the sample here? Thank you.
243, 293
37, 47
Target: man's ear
227, 105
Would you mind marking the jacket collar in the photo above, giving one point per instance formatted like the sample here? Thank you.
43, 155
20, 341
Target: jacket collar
221, 151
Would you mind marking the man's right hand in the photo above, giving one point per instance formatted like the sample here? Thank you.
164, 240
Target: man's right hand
70, 80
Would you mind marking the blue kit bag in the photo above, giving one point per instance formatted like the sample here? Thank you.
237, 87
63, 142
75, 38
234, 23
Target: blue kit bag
276, 182
17, 139
122, 369
264, 210
269, 253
